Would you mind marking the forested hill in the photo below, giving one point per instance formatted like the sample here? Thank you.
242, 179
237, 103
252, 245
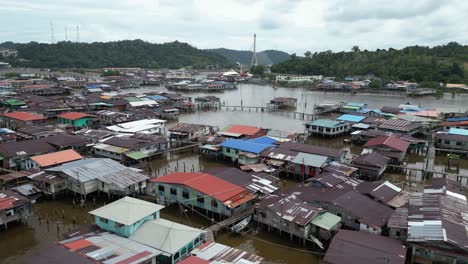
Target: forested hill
126, 53
446, 63
266, 57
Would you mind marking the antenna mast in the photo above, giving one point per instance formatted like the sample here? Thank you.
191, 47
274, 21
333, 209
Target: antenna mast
254, 55
66, 33
77, 33
52, 39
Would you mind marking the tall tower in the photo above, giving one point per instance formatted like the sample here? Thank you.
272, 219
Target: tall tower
77, 33
254, 55
52, 38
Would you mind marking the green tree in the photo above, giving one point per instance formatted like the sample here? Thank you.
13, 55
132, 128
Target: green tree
375, 84
307, 54
355, 48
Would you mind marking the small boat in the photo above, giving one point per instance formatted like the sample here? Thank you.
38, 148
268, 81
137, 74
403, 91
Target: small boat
237, 228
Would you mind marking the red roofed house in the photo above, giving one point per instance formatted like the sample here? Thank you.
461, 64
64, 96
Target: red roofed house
238, 131
16, 120
204, 191
76, 119
391, 147
13, 207
56, 158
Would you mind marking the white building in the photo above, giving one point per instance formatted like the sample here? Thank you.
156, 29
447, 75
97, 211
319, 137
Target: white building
298, 78
8, 53
144, 126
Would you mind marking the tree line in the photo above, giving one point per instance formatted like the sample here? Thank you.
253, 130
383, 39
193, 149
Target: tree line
445, 63
126, 53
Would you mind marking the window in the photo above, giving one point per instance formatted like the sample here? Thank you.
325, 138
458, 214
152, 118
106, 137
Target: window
446, 142
176, 256
398, 234
161, 188
103, 220
356, 221
228, 149
214, 203
173, 191
183, 251
118, 225
459, 143
200, 199
185, 194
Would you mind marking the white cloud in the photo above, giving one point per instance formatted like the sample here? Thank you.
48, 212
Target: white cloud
289, 25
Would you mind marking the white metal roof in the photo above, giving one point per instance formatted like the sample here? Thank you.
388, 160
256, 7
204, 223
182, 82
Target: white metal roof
165, 235
127, 210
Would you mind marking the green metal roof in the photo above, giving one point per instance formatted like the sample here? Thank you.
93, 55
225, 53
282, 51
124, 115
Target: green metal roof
326, 220
137, 155
326, 123
351, 107
14, 102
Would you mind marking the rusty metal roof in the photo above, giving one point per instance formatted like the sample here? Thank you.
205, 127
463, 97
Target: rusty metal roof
56, 158
289, 207
357, 247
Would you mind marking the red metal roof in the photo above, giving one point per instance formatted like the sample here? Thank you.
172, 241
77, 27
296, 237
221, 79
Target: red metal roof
6, 203
458, 123
24, 116
56, 158
73, 115
392, 142
194, 260
134, 258
204, 183
77, 244
244, 130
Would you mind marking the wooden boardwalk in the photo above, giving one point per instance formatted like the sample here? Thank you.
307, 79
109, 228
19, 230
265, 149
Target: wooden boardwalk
210, 231
272, 110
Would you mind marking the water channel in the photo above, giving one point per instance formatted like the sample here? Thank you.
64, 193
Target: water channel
52, 218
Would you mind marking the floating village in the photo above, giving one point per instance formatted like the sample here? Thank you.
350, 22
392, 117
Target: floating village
86, 148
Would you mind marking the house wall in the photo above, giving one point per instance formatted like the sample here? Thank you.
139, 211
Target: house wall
268, 217
248, 161
109, 154
230, 152
123, 230
185, 250
114, 189
451, 144
326, 131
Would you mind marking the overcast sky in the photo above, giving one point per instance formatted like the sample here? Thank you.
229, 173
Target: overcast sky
289, 25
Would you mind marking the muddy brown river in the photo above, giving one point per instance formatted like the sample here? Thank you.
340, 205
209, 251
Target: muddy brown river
51, 218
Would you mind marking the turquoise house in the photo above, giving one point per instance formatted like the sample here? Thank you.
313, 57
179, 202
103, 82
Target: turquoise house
125, 216
74, 119
175, 241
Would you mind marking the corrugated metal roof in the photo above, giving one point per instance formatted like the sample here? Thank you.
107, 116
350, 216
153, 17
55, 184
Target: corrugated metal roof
25, 116
312, 160
127, 210
218, 253
109, 248
56, 158
205, 183
264, 140
392, 142
357, 247
326, 220
243, 130
74, 115
351, 118
106, 170
165, 235
326, 123
244, 145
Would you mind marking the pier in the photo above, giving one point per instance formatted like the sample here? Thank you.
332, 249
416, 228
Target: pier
274, 111
211, 231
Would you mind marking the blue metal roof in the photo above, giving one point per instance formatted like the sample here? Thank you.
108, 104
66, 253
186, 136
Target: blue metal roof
157, 97
351, 118
245, 145
264, 140
458, 131
457, 119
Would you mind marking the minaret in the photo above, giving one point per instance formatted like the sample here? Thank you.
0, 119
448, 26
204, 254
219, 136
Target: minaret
254, 55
